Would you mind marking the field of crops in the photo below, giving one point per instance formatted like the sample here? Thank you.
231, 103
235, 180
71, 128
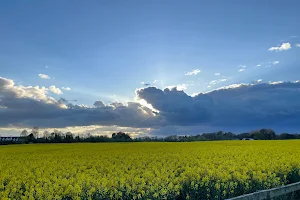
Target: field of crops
198, 170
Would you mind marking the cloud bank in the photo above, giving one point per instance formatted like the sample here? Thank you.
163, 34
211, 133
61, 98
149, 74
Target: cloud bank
239, 107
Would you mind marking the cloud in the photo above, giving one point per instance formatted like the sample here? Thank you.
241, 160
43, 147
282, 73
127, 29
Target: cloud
155, 81
194, 72
182, 86
179, 87
66, 88
259, 65
44, 76
282, 47
9, 91
28, 106
270, 64
276, 82
99, 104
46, 67
55, 90
223, 79
234, 107
242, 68
297, 45
217, 74
145, 84
251, 105
214, 82
176, 106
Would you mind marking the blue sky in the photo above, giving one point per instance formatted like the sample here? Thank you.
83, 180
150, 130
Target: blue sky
104, 50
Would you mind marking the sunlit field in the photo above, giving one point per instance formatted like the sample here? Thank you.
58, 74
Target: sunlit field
205, 170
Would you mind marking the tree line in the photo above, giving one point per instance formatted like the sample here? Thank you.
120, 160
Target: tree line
59, 137
35, 136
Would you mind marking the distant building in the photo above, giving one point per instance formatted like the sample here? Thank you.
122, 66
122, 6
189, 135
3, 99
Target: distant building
247, 139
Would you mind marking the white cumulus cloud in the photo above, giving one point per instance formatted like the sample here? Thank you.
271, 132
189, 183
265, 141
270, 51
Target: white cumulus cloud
55, 90
217, 74
179, 87
182, 86
297, 45
44, 76
194, 72
241, 70
276, 62
282, 47
9, 89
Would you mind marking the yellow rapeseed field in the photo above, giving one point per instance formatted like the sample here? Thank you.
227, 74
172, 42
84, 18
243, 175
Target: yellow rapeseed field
195, 170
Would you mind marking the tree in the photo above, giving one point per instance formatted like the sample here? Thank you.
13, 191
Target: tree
120, 136
46, 135
77, 138
24, 133
220, 133
31, 138
87, 135
229, 135
263, 134
268, 133
257, 135
35, 132
24, 136
57, 136
287, 136
69, 137
245, 135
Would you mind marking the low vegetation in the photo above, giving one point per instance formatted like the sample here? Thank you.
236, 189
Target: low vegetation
148, 170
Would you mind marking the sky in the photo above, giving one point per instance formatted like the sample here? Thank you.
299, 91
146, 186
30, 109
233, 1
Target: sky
149, 67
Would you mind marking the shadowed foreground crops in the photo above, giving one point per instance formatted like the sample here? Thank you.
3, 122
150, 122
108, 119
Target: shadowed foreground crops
198, 170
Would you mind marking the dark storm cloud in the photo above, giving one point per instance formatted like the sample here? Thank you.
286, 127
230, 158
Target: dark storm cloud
99, 104
261, 104
250, 106
177, 107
